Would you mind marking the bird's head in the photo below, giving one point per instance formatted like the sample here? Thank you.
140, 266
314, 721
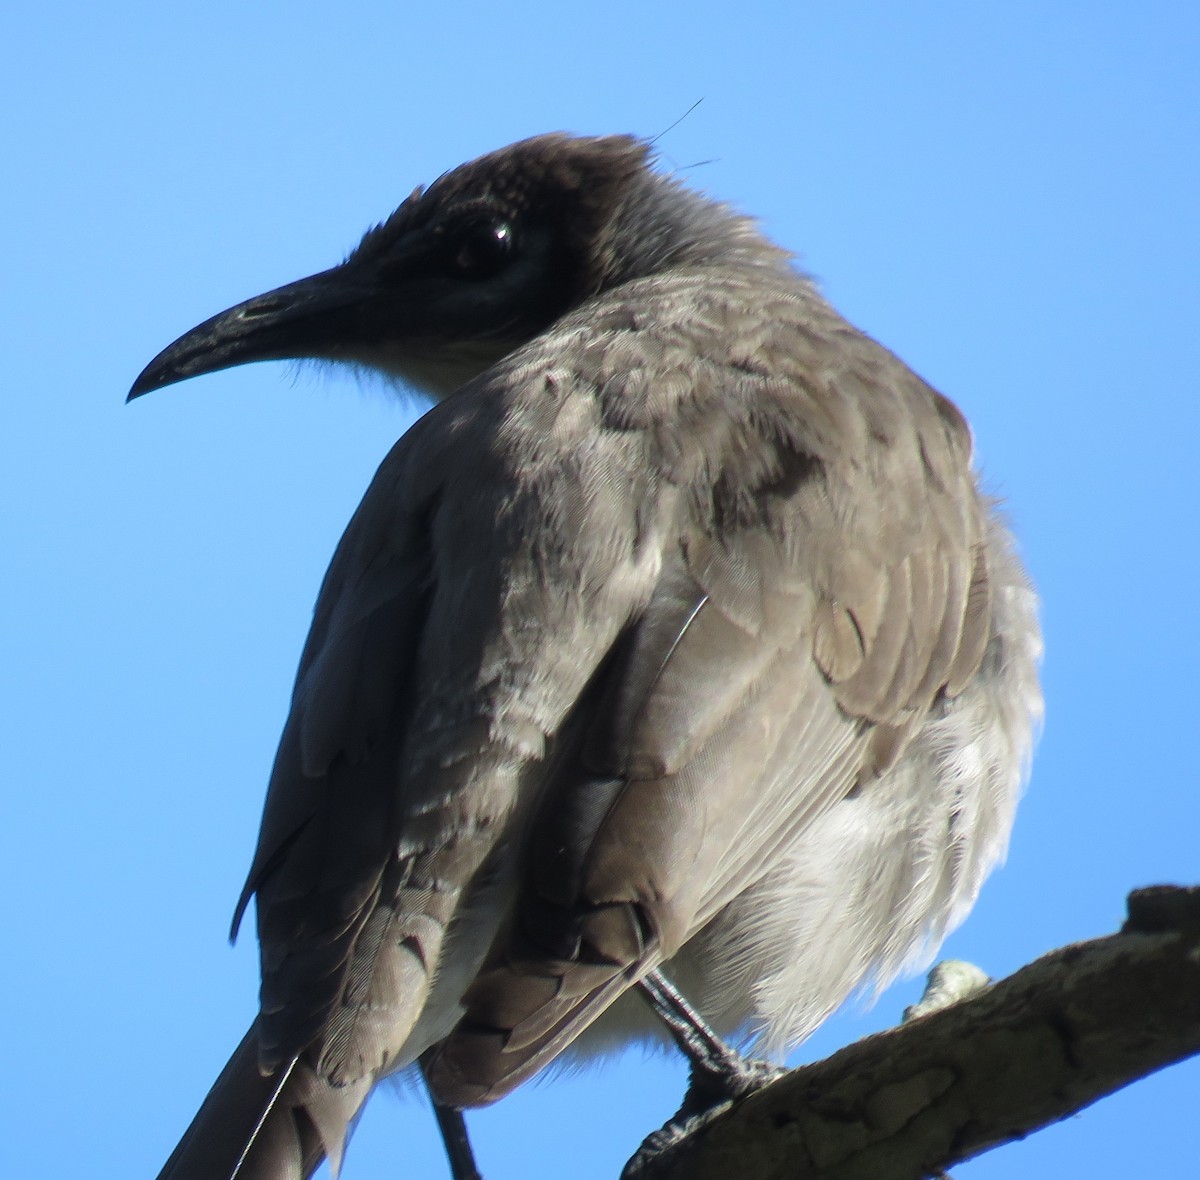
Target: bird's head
467, 270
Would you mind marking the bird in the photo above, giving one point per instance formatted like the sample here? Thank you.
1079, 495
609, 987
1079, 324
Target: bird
676, 642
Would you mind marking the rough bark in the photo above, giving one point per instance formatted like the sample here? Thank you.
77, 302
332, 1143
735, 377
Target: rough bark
1030, 1050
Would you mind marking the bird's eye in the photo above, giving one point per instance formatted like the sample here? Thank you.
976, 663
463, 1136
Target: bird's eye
483, 248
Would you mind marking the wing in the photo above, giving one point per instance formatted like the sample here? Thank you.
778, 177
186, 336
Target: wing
824, 581
463, 615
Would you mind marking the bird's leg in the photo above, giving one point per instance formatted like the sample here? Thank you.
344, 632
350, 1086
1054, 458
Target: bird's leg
455, 1139
719, 1073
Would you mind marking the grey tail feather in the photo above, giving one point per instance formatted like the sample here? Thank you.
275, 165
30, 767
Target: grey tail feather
275, 1127
284, 1074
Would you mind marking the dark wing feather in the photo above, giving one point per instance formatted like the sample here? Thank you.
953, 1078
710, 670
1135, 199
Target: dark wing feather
464, 613
324, 843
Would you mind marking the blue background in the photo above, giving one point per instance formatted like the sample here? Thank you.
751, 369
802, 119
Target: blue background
1005, 194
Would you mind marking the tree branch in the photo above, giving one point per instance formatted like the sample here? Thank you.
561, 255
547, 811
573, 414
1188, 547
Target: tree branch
1034, 1048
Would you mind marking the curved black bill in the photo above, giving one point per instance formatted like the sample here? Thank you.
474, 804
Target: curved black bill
307, 318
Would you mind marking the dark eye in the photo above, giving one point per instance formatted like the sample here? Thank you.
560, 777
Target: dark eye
483, 248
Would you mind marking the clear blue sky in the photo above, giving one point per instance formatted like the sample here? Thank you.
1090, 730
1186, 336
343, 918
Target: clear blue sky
1005, 194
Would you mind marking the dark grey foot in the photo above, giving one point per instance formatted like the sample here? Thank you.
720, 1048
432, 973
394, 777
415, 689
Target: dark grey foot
719, 1074
457, 1143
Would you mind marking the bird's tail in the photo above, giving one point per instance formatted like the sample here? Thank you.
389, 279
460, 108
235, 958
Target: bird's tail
274, 1127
